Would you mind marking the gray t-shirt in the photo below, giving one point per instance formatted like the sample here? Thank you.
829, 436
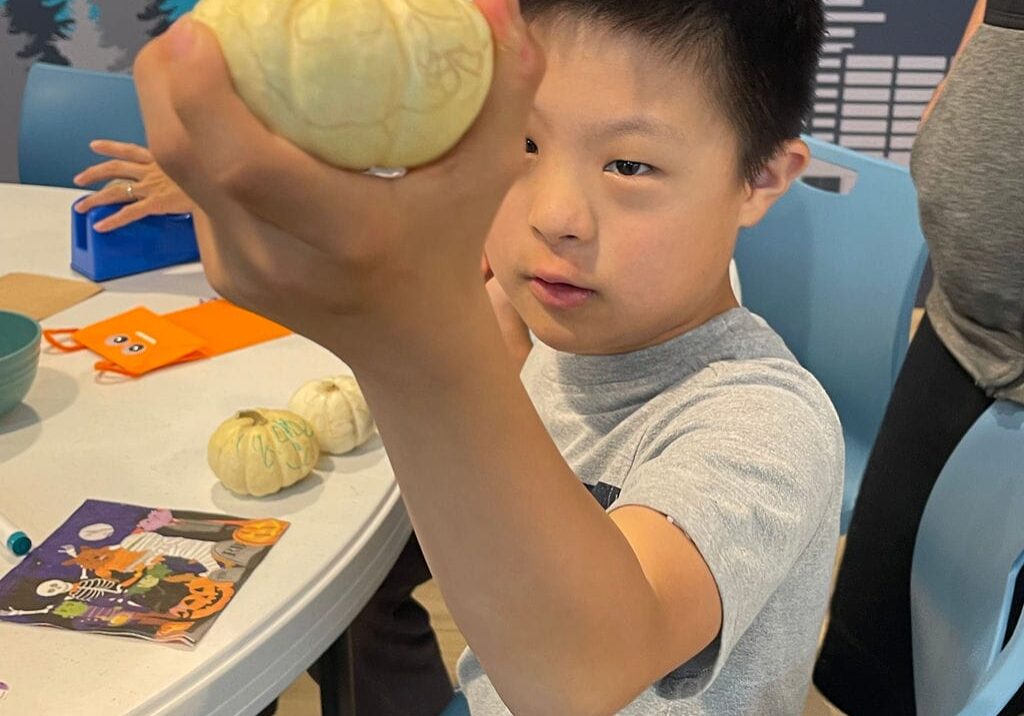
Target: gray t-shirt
723, 432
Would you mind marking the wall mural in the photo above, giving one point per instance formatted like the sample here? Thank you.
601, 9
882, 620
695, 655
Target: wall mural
882, 60
100, 35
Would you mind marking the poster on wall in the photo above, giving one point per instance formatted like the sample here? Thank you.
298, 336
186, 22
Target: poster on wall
880, 65
882, 60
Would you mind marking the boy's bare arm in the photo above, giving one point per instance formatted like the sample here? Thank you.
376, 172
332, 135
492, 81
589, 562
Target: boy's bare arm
510, 535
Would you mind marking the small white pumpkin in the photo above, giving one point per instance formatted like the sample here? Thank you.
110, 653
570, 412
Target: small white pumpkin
337, 410
260, 451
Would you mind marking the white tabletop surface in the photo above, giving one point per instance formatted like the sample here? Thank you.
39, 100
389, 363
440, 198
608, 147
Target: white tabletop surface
144, 442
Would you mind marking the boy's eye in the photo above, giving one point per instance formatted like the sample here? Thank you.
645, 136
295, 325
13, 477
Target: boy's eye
623, 166
630, 169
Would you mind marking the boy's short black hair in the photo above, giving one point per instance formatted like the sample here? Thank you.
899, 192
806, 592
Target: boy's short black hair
759, 56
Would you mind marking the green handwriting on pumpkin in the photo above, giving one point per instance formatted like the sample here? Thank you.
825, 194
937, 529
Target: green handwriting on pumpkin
267, 453
286, 431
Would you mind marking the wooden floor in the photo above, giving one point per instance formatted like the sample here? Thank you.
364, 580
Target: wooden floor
302, 698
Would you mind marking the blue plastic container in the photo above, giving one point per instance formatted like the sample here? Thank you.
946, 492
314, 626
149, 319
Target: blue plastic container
143, 245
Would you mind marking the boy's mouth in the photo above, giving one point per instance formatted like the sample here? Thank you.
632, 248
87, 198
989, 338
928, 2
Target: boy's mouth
556, 293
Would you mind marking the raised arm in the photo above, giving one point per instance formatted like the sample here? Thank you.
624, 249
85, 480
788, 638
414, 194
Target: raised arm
387, 276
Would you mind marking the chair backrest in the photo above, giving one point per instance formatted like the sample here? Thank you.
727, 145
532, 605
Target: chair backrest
836, 275
969, 551
62, 110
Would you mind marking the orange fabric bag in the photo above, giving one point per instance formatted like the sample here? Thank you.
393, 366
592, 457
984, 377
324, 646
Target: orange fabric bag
224, 327
133, 343
139, 341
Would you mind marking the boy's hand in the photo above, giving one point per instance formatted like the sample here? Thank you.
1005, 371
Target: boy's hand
514, 330
353, 261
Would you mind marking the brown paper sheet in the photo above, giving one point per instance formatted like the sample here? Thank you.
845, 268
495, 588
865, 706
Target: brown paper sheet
40, 296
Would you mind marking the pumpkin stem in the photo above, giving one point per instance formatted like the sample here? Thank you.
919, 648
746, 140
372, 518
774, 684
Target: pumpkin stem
254, 415
328, 386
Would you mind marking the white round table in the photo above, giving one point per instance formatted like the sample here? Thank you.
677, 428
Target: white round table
144, 442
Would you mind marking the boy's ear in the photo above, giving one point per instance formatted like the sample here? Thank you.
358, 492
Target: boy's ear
774, 179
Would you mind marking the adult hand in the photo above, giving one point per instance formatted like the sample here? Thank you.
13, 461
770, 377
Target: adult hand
132, 176
358, 263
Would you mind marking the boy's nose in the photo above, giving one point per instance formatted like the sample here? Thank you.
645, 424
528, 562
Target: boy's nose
561, 215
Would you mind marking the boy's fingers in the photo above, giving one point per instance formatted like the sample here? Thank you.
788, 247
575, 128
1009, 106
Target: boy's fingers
272, 177
231, 258
172, 147
518, 70
485, 268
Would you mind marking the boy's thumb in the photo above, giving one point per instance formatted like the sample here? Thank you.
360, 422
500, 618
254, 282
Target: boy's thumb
518, 68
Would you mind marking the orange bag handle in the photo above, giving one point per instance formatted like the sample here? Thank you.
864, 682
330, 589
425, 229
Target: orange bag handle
107, 366
51, 336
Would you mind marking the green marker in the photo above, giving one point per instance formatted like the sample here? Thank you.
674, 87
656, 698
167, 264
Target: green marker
14, 539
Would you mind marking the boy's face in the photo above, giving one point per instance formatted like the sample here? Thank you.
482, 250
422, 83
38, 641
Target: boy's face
640, 226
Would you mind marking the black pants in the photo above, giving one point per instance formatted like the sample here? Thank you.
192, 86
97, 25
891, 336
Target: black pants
865, 666
396, 661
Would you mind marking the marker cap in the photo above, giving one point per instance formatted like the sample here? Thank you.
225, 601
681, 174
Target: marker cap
19, 543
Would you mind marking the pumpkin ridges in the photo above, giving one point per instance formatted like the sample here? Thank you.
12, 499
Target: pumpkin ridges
337, 411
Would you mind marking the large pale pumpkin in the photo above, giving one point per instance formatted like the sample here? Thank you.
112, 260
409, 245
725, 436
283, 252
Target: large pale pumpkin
358, 83
260, 451
337, 410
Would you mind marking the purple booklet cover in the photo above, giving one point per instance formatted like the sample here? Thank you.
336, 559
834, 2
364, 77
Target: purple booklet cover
145, 572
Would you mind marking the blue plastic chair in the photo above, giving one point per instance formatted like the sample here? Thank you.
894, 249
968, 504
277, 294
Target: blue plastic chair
457, 706
969, 551
836, 275
62, 110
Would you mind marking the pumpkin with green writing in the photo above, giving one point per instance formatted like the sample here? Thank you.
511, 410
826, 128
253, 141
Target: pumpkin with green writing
261, 451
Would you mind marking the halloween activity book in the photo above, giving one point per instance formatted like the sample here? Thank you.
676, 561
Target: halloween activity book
126, 570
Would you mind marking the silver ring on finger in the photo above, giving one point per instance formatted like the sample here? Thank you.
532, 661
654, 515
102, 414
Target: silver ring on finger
130, 190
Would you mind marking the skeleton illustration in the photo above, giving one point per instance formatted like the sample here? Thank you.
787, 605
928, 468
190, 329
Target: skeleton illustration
87, 590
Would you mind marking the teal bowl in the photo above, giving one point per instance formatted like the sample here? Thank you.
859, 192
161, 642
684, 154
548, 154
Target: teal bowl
19, 357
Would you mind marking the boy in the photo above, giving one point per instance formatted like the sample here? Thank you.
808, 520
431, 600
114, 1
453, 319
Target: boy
690, 576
